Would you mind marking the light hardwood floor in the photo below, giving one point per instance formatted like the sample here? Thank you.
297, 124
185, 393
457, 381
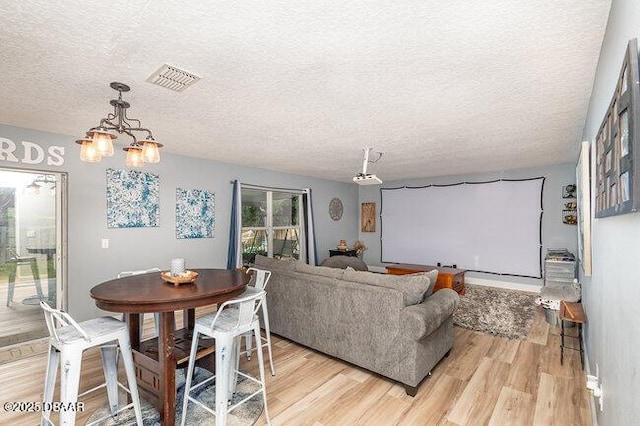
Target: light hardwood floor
486, 380
21, 322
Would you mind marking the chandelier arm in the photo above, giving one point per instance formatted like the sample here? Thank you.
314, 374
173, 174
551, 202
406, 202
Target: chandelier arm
139, 128
128, 132
132, 119
125, 123
127, 120
106, 123
142, 129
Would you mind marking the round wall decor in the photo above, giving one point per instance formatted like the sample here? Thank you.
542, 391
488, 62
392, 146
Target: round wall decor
335, 209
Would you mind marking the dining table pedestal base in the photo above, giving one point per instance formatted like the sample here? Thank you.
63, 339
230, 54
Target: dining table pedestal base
148, 366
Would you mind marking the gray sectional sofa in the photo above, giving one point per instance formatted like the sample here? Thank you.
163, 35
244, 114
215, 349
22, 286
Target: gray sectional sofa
391, 325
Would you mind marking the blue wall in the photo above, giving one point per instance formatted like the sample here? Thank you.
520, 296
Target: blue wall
611, 296
140, 248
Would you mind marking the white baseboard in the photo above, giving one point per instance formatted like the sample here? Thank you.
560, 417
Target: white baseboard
592, 399
503, 284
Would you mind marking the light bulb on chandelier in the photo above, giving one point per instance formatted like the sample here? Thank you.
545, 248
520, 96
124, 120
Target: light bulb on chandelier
88, 152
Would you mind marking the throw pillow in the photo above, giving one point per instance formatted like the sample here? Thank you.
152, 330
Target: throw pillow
413, 287
433, 277
318, 270
264, 262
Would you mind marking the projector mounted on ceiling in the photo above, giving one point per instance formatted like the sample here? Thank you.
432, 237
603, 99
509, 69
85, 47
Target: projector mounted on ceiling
365, 178
361, 179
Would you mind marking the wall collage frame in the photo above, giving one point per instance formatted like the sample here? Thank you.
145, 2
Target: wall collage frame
617, 150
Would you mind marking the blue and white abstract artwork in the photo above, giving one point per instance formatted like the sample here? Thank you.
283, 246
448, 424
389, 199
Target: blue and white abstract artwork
132, 199
195, 217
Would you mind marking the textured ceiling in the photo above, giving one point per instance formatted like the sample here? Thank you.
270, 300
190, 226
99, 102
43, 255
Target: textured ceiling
441, 87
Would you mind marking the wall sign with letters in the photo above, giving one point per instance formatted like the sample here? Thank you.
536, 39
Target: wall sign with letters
30, 153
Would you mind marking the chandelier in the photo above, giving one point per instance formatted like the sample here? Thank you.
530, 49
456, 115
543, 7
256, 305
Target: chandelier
34, 187
98, 141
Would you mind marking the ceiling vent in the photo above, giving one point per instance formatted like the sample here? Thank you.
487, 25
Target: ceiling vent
173, 78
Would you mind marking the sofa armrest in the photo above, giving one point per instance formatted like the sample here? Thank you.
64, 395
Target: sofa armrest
419, 321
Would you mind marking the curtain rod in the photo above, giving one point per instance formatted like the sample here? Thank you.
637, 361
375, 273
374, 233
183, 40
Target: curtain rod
270, 188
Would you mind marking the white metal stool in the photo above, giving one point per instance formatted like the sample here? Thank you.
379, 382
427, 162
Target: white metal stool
233, 319
68, 341
14, 263
156, 317
261, 279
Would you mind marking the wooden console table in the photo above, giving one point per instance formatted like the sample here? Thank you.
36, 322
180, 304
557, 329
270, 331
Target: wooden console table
447, 277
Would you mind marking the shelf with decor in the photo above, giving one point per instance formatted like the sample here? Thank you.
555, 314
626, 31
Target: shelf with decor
570, 213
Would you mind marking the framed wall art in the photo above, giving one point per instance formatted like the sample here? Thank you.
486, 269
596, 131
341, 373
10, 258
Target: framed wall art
569, 191
617, 150
368, 217
195, 215
335, 209
132, 199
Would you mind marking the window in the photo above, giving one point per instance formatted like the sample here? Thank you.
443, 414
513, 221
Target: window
271, 224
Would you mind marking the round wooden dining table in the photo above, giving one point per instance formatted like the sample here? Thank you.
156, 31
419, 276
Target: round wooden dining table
157, 359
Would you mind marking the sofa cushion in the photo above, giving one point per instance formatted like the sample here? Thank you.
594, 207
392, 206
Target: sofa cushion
269, 263
343, 262
413, 286
433, 277
322, 271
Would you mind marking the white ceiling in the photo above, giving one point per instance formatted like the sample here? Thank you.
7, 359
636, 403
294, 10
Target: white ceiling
441, 87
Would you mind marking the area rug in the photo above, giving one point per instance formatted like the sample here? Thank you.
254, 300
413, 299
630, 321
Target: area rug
244, 415
497, 311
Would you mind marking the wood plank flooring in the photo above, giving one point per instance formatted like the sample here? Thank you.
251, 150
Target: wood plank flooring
486, 380
21, 322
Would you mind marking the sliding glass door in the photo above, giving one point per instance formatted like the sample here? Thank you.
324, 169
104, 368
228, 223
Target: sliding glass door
31, 218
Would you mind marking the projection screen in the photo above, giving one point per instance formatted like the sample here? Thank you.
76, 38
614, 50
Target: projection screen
490, 227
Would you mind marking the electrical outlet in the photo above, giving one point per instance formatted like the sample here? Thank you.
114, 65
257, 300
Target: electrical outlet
105, 243
594, 384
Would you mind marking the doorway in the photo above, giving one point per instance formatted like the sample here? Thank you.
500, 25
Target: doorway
31, 245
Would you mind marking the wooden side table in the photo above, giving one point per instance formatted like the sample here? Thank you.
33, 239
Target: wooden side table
452, 278
574, 313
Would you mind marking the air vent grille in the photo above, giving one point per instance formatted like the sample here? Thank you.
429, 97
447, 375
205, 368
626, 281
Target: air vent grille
173, 78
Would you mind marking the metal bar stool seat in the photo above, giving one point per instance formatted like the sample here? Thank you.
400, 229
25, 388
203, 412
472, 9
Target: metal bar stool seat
68, 340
